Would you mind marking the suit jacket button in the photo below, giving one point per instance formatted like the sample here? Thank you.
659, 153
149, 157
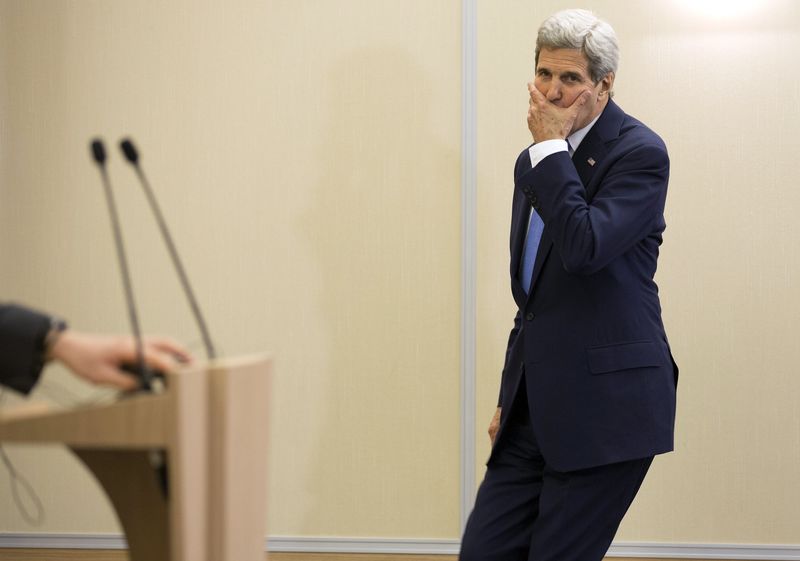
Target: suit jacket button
529, 316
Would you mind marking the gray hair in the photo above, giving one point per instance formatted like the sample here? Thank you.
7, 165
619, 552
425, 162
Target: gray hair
581, 29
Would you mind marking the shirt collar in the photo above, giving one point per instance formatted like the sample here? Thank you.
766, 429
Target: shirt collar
577, 137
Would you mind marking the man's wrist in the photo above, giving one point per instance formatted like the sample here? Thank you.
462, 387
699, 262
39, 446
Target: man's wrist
541, 150
57, 328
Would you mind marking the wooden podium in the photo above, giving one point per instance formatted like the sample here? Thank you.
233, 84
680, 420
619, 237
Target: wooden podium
210, 423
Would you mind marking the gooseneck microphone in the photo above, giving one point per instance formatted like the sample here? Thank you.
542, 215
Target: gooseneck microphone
141, 369
132, 155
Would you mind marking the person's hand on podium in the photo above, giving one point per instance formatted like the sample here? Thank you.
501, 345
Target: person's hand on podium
99, 359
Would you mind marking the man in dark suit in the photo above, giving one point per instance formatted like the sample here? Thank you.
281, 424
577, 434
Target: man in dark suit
587, 394
28, 339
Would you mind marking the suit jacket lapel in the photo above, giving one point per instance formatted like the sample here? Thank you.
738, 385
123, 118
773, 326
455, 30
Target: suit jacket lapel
586, 158
593, 149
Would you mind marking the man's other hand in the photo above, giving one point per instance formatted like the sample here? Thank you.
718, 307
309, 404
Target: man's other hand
494, 426
548, 121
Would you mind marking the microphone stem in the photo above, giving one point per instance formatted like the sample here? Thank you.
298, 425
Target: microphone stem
176, 261
146, 374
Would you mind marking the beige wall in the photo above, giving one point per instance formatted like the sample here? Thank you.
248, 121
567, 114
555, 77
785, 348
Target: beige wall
307, 155
724, 95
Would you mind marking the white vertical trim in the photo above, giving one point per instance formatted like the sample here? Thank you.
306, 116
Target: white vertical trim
469, 243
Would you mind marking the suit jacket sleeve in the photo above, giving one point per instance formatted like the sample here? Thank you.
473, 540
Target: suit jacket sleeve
589, 235
22, 336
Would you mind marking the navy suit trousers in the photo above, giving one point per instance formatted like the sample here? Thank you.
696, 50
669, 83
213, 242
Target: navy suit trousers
526, 511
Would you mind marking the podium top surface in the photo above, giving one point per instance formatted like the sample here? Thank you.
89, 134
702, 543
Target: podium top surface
139, 420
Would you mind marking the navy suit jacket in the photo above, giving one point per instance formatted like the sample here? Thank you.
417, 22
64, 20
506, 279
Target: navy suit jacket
589, 337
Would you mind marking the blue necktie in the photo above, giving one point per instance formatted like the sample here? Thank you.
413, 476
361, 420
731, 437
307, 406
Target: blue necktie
535, 228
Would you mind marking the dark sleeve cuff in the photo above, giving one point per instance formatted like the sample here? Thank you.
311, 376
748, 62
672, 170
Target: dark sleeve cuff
22, 338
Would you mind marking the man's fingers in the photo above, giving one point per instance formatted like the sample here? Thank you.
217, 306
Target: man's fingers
494, 425
581, 100
108, 375
123, 381
170, 347
160, 353
535, 95
160, 360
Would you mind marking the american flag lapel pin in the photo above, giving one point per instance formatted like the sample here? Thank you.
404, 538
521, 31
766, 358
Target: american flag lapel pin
591, 161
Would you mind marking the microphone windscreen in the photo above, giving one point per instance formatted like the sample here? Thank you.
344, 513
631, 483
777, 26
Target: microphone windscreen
98, 151
129, 150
